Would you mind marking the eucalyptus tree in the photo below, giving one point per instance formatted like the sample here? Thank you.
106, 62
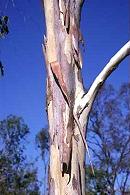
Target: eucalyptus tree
3, 31
68, 104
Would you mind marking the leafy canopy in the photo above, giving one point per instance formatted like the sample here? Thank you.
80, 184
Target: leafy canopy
17, 176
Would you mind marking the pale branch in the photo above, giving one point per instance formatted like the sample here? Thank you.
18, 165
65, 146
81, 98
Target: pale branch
90, 96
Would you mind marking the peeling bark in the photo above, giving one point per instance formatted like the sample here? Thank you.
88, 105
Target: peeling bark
63, 59
66, 98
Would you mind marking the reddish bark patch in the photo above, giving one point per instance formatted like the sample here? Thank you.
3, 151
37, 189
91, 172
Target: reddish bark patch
58, 75
74, 183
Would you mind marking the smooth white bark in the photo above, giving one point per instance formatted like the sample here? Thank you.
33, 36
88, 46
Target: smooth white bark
88, 99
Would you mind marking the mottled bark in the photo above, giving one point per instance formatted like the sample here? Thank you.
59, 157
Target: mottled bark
63, 59
66, 97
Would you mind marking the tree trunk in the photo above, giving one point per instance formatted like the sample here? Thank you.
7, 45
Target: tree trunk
64, 84
68, 105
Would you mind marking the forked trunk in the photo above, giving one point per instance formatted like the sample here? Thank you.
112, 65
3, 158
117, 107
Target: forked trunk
68, 105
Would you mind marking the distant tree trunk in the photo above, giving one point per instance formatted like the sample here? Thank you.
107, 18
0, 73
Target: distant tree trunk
66, 97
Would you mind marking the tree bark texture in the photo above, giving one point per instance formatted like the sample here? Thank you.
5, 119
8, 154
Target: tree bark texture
63, 62
67, 101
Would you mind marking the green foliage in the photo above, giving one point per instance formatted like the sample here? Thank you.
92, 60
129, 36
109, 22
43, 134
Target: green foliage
3, 26
96, 184
17, 176
42, 141
3, 31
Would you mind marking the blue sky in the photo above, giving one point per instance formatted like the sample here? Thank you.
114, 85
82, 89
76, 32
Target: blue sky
105, 29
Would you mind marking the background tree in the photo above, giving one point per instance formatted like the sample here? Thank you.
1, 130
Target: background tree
68, 104
109, 137
96, 184
3, 31
4, 26
42, 142
17, 176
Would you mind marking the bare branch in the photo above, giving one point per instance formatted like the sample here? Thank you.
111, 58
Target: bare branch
89, 98
125, 181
